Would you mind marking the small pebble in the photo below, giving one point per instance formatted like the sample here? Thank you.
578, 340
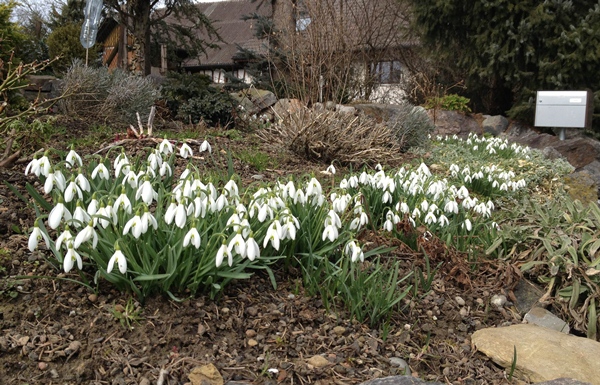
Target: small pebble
92, 298
463, 312
460, 301
42, 366
339, 330
250, 333
498, 300
252, 342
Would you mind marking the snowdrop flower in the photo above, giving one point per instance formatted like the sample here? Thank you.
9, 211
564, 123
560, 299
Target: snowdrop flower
185, 151
57, 214
36, 236
331, 169
49, 183
122, 167
451, 207
221, 202
333, 218
443, 221
70, 259
416, 213
237, 244
135, 225
100, 171
80, 216
354, 251
72, 158
44, 165
85, 235
503, 187
33, 167
462, 192
122, 203
299, 197
223, 251
232, 188
404, 209
387, 197
170, 212
180, 215
165, 169
273, 237
205, 146
388, 225
93, 206
467, 224
119, 258
105, 215
430, 218
192, 237
330, 232
148, 220
82, 181
65, 237
313, 188
131, 178
154, 160
72, 190
146, 192
252, 249
165, 147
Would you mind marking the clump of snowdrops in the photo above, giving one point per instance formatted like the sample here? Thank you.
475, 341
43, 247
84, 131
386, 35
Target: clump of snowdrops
144, 229
133, 223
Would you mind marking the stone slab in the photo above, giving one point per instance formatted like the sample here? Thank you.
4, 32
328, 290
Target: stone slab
542, 354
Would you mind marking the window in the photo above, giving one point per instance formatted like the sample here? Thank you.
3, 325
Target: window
301, 16
387, 72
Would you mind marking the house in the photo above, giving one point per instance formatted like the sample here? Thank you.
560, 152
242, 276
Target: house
227, 18
358, 48
332, 43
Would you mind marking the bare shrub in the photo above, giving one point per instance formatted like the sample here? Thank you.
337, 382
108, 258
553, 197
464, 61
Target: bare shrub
100, 95
328, 136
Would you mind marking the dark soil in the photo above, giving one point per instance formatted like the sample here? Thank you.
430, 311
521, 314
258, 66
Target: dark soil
55, 331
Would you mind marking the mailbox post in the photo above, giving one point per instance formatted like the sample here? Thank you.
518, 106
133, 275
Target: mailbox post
563, 109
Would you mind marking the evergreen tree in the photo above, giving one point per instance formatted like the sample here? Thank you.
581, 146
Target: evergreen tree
509, 49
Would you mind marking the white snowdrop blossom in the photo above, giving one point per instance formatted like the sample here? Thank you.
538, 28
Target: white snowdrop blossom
205, 146
185, 151
135, 225
101, 172
238, 245
85, 235
80, 216
221, 253
354, 251
192, 238
70, 258
122, 203
72, 159
252, 249
120, 259
146, 192
331, 169
467, 225
33, 166
72, 190
64, 238
330, 232
36, 235
165, 147
57, 214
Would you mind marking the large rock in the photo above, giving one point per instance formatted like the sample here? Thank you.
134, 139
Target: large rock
285, 107
581, 185
542, 354
453, 123
494, 125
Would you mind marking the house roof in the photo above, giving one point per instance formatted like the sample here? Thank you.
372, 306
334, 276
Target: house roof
227, 19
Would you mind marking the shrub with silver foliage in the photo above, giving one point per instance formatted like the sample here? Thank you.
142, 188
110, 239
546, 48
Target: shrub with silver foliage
110, 96
411, 125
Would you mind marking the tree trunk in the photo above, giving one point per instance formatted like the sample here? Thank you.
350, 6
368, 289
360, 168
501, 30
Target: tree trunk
140, 25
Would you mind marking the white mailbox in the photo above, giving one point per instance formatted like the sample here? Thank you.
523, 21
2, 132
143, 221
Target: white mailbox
563, 109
